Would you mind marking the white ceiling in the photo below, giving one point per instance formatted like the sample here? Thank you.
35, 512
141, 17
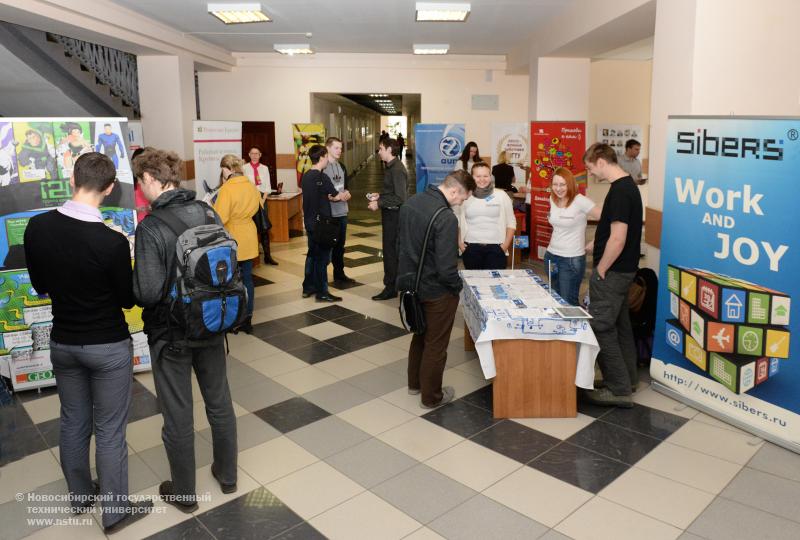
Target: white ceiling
352, 26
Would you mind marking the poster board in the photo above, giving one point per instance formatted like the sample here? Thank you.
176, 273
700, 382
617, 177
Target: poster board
38, 155
438, 147
553, 144
514, 140
305, 136
212, 141
727, 336
616, 135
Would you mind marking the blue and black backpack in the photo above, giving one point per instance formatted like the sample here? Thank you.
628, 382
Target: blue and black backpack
207, 296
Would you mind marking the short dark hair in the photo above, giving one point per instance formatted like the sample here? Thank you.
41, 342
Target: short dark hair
316, 153
330, 140
162, 165
461, 178
392, 145
598, 151
106, 125
630, 143
94, 172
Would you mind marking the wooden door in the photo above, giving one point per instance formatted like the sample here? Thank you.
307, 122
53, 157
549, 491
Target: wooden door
262, 135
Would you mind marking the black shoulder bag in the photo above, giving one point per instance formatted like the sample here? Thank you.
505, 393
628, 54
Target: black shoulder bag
411, 313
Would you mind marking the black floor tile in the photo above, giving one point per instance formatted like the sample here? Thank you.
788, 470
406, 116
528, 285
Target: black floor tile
290, 340
461, 418
187, 530
12, 417
364, 235
332, 313
352, 342
143, 406
590, 409
18, 443
291, 414
301, 320
269, 329
138, 388
344, 286
358, 322
482, 398
361, 248
50, 431
641, 419
579, 467
364, 261
304, 531
316, 352
614, 442
258, 514
364, 223
515, 441
384, 331
259, 281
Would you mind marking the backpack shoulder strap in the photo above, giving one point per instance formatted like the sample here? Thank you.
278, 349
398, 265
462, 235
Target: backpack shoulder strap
175, 224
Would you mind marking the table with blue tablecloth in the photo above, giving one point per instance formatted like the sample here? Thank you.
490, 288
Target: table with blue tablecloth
511, 314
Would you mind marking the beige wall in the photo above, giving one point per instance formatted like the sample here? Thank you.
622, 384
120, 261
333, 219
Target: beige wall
278, 89
619, 93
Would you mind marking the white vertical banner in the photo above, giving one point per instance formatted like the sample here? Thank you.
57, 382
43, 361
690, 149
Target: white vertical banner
213, 140
135, 136
512, 138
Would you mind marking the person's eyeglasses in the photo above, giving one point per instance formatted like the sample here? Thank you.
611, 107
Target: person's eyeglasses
255, 153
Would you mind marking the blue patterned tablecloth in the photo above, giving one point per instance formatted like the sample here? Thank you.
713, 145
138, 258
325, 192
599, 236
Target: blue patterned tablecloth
518, 304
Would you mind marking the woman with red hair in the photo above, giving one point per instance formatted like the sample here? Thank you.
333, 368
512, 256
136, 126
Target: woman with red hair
565, 259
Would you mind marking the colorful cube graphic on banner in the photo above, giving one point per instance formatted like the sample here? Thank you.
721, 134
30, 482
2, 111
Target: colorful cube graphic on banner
675, 336
695, 354
737, 374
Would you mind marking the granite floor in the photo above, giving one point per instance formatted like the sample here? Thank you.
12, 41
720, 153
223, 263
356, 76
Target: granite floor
332, 446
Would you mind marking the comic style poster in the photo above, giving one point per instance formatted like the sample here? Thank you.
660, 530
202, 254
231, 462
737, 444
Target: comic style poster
37, 156
726, 337
305, 136
553, 145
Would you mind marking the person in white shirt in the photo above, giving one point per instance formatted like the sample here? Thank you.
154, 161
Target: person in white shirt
565, 258
258, 173
486, 224
469, 157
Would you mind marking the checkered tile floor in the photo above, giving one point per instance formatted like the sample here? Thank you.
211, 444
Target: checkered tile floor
332, 446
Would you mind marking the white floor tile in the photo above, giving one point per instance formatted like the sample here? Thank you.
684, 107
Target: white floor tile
420, 439
560, 428
315, 489
209, 493
600, 519
365, 516
715, 441
43, 409
376, 416
345, 366
277, 364
696, 469
305, 380
473, 465
146, 433
27, 474
274, 459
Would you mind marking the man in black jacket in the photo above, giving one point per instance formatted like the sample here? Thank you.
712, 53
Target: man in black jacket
439, 282
173, 356
391, 198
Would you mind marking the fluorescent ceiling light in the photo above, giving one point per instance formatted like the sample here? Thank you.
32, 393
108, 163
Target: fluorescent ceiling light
293, 48
448, 12
238, 13
440, 48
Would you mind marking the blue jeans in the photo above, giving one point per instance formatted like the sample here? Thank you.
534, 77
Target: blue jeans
567, 274
246, 268
316, 271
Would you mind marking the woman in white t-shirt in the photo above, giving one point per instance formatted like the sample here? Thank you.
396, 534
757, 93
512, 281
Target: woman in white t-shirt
566, 254
486, 224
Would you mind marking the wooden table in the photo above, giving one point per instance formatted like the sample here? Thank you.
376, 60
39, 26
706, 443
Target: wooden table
285, 213
535, 379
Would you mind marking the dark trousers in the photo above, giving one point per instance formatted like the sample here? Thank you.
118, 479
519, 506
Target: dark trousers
172, 372
391, 255
484, 257
94, 387
611, 323
316, 270
427, 355
337, 252
246, 270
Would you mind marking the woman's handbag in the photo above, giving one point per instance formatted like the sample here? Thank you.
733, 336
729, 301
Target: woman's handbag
412, 315
261, 217
326, 231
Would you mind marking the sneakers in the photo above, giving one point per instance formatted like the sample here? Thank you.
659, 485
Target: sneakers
605, 398
448, 393
134, 513
413, 391
167, 492
226, 488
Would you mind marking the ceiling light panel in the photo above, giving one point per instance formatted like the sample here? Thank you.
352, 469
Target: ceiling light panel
238, 13
293, 48
442, 12
431, 48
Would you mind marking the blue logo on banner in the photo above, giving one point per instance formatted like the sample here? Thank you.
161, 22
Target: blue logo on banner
733, 305
521, 242
450, 147
438, 147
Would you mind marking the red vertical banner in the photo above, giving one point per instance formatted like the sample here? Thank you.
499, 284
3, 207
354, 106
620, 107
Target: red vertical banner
553, 145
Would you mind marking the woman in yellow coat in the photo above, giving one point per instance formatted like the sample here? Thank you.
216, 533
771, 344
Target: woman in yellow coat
238, 200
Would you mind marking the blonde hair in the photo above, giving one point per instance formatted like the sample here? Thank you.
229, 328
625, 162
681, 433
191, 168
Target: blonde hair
232, 163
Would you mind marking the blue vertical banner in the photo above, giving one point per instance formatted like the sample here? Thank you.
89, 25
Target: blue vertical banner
727, 338
438, 147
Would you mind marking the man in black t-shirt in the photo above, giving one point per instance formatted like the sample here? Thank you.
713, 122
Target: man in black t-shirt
616, 259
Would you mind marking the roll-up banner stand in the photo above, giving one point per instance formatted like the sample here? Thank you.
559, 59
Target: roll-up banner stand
726, 339
213, 140
438, 148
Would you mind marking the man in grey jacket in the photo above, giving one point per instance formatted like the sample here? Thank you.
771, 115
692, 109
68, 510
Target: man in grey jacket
439, 281
173, 356
391, 198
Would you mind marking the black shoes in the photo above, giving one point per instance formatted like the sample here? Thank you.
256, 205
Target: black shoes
246, 327
270, 260
85, 506
328, 298
306, 294
605, 398
385, 294
167, 493
226, 488
134, 513
343, 279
